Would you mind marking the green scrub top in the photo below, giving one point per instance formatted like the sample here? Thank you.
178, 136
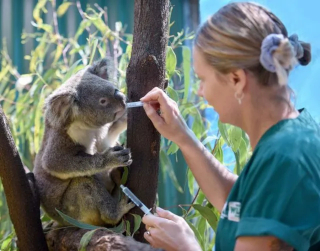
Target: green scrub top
278, 191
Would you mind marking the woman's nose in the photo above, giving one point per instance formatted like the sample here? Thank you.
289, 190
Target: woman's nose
200, 90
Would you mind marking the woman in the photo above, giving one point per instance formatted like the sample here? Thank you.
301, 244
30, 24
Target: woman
243, 56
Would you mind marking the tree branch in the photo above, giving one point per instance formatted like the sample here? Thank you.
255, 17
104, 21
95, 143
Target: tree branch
23, 209
68, 239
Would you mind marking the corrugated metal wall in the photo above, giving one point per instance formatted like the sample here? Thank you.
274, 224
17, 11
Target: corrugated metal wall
16, 17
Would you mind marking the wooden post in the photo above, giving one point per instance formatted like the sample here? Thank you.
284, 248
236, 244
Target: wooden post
146, 70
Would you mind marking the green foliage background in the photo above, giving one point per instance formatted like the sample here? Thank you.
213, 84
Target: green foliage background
56, 58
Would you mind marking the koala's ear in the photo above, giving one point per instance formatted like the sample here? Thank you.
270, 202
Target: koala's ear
60, 108
100, 68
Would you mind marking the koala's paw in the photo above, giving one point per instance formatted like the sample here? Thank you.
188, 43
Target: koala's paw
125, 206
119, 156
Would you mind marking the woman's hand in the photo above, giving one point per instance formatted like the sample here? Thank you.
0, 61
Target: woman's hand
169, 122
169, 232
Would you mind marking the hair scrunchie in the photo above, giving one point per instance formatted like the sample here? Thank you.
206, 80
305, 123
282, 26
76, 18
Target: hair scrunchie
270, 43
298, 49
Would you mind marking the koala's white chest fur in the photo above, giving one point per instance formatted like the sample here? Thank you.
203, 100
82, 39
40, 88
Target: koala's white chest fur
94, 140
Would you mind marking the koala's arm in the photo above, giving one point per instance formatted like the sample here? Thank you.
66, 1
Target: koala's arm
116, 129
65, 160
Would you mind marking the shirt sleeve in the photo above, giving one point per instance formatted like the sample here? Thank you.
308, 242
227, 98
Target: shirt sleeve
281, 199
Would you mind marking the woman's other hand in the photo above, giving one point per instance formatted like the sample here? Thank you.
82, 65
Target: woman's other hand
168, 121
169, 232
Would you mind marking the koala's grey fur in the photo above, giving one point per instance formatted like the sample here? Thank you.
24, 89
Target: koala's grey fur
83, 119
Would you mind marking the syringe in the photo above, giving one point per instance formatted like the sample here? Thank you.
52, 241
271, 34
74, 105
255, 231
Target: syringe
138, 104
135, 200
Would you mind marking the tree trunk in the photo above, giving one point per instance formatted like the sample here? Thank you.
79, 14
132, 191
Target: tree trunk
68, 239
146, 70
23, 208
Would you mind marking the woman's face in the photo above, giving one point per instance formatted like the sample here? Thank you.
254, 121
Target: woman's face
214, 87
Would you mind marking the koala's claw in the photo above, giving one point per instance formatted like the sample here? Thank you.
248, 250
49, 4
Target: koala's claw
120, 156
126, 206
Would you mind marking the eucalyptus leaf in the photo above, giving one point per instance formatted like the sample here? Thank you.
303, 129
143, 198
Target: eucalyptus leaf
137, 223
190, 182
235, 136
62, 9
223, 132
173, 148
208, 214
171, 61
128, 231
85, 239
124, 177
197, 234
186, 55
38, 122
172, 93
74, 222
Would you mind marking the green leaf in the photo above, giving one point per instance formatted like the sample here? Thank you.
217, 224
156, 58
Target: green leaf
129, 50
171, 61
7, 242
128, 232
37, 10
197, 126
186, 55
62, 9
190, 182
235, 136
200, 198
197, 234
172, 93
48, 28
223, 131
137, 223
209, 139
93, 51
173, 148
208, 214
38, 122
237, 167
58, 53
218, 152
85, 239
202, 226
83, 25
124, 177
74, 222
101, 26
71, 71
243, 152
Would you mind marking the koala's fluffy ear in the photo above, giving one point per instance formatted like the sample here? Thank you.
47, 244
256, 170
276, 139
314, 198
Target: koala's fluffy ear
60, 108
100, 68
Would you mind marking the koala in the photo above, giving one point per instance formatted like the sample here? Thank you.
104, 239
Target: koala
83, 120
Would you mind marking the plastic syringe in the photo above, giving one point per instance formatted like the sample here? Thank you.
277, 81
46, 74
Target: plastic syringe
135, 200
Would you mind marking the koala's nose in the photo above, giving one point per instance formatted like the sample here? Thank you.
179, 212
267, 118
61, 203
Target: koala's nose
119, 95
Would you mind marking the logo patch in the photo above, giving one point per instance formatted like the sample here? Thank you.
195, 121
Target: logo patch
234, 211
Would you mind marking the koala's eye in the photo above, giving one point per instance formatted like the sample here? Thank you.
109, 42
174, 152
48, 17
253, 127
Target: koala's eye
103, 101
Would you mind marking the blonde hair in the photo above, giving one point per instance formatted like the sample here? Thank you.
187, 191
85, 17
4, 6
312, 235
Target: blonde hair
232, 39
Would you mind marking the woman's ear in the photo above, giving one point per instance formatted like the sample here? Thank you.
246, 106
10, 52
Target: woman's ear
237, 80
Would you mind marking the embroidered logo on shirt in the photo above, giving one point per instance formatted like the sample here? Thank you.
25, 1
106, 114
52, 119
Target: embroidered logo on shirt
234, 211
